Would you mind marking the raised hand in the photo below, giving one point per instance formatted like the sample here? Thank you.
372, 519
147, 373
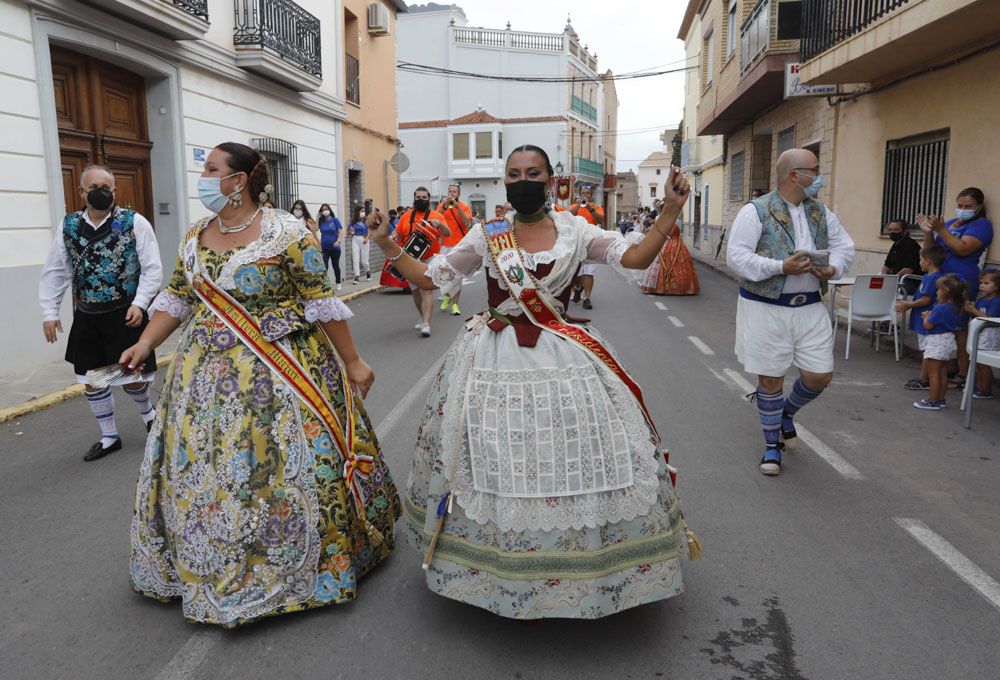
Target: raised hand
676, 189
378, 226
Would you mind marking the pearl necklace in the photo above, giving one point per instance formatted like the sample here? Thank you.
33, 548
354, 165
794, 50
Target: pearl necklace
223, 229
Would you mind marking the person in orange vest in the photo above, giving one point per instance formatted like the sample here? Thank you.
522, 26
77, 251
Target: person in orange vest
458, 217
594, 214
421, 213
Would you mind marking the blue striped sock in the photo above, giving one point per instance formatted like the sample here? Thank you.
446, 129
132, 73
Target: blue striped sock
799, 397
141, 399
769, 407
102, 403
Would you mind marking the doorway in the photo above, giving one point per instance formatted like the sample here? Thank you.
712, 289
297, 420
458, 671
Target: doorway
101, 117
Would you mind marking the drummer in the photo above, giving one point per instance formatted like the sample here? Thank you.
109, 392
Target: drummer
421, 213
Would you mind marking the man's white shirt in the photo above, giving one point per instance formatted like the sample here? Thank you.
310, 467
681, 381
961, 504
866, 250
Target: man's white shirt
57, 273
742, 257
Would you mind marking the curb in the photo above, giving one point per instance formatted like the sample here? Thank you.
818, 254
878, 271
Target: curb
67, 393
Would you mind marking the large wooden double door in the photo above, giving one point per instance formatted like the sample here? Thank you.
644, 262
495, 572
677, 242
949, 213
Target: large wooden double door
101, 113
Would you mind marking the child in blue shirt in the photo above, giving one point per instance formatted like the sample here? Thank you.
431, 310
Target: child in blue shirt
940, 348
986, 305
931, 258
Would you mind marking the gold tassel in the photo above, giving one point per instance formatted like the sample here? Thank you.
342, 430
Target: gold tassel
694, 543
375, 537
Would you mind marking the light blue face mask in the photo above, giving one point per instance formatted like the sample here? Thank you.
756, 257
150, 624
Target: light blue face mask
965, 214
210, 193
812, 191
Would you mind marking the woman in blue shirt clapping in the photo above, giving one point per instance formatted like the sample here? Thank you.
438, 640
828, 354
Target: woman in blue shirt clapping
329, 229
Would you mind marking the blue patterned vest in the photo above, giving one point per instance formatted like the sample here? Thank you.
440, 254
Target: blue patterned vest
105, 263
777, 239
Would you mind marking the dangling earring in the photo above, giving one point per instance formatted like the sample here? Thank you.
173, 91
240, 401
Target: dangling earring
236, 198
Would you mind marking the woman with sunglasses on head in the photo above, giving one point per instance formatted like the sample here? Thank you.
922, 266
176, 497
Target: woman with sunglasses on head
537, 489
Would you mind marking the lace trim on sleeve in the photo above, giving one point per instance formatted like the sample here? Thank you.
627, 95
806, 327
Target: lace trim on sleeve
617, 248
327, 309
442, 274
172, 304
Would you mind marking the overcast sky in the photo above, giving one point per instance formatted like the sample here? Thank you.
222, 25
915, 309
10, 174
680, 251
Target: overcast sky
628, 35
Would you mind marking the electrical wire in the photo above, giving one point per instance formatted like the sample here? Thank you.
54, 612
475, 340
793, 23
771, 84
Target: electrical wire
409, 67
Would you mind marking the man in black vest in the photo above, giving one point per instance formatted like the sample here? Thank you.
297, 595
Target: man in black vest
904, 255
109, 256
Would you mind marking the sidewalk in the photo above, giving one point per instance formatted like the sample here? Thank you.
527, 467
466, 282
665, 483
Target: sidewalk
37, 388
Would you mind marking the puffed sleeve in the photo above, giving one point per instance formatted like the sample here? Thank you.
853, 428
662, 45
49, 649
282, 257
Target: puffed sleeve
178, 298
608, 247
446, 271
307, 270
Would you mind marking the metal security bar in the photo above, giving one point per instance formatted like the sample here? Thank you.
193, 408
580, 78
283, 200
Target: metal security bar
916, 175
199, 8
828, 22
755, 35
352, 78
283, 165
282, 26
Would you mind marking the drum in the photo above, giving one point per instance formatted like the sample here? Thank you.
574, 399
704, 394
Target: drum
422, 237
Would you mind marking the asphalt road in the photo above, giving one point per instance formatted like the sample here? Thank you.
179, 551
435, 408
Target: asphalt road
817, 574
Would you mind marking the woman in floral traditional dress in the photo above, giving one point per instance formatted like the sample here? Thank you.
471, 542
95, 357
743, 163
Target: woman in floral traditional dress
672, 272
242, 509
560, 503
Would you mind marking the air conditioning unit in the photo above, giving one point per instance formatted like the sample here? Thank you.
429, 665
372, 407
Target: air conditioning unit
378, 19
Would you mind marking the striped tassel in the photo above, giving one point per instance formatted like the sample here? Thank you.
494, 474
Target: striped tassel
444, 507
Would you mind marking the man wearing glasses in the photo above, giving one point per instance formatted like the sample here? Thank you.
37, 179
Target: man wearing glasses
785, 246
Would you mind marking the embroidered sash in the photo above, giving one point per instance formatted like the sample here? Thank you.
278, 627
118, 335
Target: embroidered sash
237, 319
509, 265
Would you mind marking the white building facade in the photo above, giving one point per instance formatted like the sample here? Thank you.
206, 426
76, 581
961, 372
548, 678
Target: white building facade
460, 129
147, 87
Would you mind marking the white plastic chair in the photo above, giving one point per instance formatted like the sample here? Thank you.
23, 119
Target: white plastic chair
873, 299
977, 356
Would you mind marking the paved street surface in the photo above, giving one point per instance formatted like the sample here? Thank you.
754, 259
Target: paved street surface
828, 571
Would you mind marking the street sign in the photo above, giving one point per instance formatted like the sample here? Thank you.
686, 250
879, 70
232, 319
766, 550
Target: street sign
399, 162
795, 88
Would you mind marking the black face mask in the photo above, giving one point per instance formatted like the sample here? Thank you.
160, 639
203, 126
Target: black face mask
100, 198
526, 196
421, 204
896, 235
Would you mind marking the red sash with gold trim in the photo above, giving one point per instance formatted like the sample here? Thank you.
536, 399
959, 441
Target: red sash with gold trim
357, 466
509, 265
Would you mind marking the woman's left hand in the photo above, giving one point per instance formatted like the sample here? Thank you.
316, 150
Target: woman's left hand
360, 376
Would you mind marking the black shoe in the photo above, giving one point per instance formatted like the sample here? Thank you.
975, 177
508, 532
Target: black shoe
576, 294
788, 434
587, 305
149, 426
98, 451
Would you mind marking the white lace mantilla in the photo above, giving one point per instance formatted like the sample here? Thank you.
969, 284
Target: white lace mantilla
327, 309
172, 304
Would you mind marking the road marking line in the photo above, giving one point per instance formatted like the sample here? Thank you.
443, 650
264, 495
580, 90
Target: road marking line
705, 349
834, 459
660, 306
418, 391
191, 656
675, 321
966, 569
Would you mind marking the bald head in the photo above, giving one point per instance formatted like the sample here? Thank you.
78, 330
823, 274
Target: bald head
793, 159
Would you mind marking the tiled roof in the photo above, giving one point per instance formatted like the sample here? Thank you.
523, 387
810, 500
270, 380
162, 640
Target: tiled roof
657, 158
478, 118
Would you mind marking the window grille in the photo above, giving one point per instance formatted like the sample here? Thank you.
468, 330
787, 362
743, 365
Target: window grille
283, 166
786, 140
916, 175
736, 177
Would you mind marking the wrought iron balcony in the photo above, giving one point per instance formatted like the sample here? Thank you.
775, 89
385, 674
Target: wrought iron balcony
352, 79
826, 23
284, 29
584, 109
176, 19
199, 8
588, 168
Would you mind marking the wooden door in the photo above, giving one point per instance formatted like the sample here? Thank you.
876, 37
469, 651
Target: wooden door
101, 113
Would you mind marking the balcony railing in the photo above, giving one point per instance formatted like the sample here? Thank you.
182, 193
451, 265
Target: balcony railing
283, 27
199, 8
584, 109
755, 35
828, 22
488, 37
588, 168
352, 79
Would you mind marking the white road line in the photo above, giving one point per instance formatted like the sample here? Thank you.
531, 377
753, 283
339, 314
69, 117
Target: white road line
705, 349
185, 663
660, 306
675, 321
834, 459
189, 658
966, 569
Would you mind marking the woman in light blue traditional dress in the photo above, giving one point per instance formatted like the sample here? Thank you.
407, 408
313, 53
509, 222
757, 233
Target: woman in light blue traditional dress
537, 486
